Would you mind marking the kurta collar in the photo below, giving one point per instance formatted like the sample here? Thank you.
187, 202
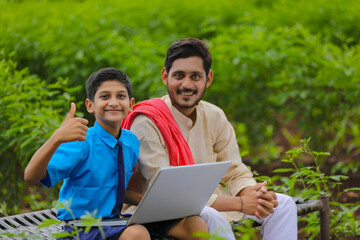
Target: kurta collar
184, 120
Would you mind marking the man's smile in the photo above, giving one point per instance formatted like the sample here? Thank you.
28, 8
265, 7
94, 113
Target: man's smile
186, 92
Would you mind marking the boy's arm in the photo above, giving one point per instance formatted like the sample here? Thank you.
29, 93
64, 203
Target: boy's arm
133, 193
72, 129
132, 197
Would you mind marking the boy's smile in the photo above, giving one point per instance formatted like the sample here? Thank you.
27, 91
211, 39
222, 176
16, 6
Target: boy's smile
111, 105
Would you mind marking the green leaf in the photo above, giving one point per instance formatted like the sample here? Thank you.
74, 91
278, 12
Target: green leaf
48, 222
321, 153
287, 160
282, 170
352, 189
61, 234
338, 177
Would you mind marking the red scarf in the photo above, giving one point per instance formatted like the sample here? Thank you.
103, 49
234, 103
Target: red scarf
157, 110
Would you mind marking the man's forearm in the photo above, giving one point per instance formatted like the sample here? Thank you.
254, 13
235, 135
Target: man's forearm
228, 203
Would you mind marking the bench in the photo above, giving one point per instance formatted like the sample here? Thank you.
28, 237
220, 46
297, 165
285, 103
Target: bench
26, 224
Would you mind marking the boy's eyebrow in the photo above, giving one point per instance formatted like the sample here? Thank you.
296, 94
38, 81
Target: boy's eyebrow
107, 91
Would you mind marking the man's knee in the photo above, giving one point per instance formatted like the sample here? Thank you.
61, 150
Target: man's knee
209, 213
286, 201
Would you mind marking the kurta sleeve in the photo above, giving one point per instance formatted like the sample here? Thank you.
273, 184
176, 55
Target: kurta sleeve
153, 154
226, 148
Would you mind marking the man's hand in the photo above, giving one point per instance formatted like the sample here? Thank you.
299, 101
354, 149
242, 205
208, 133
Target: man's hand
268, 195
258, 200
73, 128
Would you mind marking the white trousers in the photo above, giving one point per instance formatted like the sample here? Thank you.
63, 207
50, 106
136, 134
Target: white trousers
217, 224
282, 224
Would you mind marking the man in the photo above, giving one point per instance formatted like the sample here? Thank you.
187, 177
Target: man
210, 137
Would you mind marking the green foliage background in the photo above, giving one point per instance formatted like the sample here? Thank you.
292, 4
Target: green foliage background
283, 69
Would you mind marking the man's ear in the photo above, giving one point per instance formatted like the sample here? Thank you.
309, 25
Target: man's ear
209, 78
89, 105
164, 76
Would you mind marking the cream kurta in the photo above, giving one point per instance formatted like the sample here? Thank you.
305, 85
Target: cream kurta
211, 138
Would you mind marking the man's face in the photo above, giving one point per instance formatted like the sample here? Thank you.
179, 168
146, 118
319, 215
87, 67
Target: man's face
186, 83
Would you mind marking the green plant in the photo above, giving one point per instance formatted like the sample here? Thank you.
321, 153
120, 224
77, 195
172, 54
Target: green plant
30, 110
283, 69
309, 182
246, 231
280, 66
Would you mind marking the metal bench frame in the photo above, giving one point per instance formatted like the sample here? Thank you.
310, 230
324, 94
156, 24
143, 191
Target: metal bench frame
27, 223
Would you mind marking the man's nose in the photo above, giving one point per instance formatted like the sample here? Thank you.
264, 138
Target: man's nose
187, 82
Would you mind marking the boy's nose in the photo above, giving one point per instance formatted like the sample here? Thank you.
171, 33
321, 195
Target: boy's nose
113, 102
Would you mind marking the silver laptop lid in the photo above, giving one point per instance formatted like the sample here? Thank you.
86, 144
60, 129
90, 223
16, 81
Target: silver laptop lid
179, 192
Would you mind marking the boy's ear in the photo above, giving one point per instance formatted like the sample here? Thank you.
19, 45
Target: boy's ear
89, 105
132, 103
209, 78
164, 76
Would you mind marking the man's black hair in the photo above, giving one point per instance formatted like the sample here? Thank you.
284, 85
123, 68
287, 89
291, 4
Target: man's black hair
188, 47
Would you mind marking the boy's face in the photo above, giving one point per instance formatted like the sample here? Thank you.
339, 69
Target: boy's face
111, 104
186, 83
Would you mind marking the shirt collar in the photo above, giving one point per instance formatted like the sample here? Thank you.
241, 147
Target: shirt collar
105, 135
179, 117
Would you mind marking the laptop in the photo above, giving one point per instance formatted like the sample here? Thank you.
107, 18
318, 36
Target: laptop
176, 192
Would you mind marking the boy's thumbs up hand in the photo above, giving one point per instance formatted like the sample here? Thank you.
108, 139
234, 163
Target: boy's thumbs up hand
73, 128
72, 111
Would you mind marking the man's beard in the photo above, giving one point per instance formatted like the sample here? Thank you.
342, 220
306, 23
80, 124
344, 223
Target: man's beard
173, 100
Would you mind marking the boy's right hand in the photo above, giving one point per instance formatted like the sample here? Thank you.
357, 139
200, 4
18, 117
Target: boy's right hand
73, 128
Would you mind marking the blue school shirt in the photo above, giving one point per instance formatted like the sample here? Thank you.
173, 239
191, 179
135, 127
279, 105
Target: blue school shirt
89, 170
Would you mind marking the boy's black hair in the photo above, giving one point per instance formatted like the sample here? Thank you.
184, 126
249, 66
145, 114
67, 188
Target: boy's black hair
188, 47
106, 74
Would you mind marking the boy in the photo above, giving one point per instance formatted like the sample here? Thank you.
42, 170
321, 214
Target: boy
87, 158
96, 164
